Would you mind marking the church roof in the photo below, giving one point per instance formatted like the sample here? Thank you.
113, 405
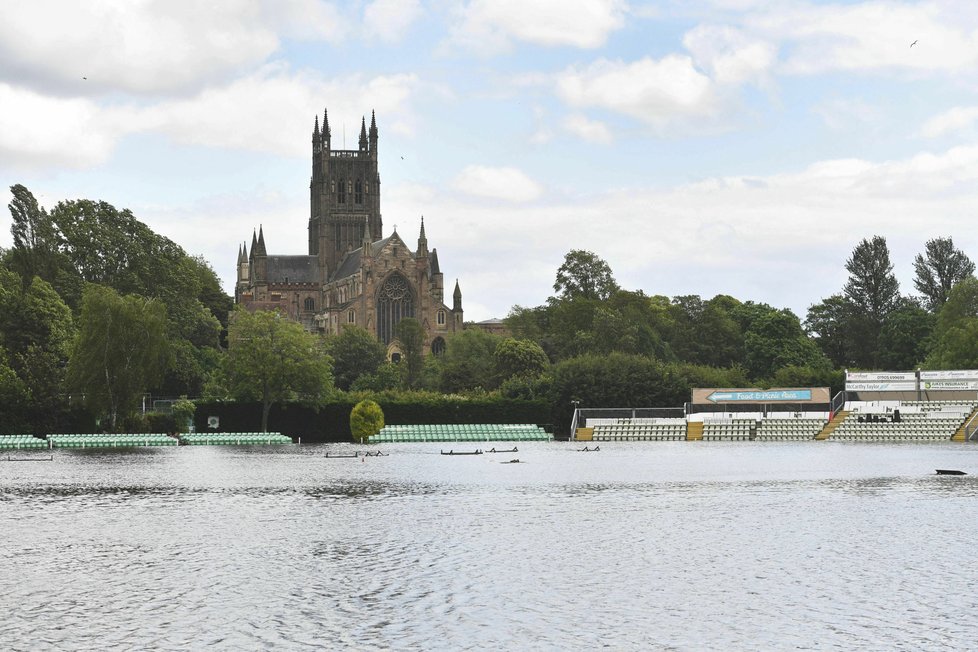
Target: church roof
297, 269
351, 263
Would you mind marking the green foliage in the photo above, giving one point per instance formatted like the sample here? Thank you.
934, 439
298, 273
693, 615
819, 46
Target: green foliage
774, 339
183, 411
272, 359
355, 353
121, 350
830, 323
387, 377
13, 397
584, 275
410, 337
366, 419
956, 333
938, 269
905, 338
468, 362
514, 358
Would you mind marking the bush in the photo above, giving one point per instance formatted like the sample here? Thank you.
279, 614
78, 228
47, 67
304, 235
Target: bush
366, 419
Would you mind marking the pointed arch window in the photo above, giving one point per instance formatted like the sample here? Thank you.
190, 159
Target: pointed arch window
341, 192
438, 345
309, 305
358, 192
395, 301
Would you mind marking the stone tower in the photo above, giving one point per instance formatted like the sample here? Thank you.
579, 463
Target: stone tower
344, 196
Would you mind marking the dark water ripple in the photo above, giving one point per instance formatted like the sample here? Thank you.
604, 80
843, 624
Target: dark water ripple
642, 546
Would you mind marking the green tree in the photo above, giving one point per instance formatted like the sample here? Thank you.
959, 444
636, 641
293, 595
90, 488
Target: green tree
938, 269
775, 339
583, 274
34, 236
355, 353
519, 358
366, 419
183, 411
468, 361
272, 359
830, 324
410, 337
874, 291
14, 396
387, 377
905, 338
956, 333
120, 351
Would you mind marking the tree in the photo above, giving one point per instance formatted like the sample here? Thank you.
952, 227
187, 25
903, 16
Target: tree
519, 359
874, 292
938, 269
584, 275
774, 340
355, 353
121, 350
272, 359
872, 286
366, 419
34, 236
468, 361
905, 338
830, 324
410, 337
956, 334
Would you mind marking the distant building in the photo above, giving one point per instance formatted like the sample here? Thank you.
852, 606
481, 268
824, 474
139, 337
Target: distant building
494, 327
352, 273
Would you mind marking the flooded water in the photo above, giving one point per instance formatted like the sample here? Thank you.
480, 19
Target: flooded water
640, 546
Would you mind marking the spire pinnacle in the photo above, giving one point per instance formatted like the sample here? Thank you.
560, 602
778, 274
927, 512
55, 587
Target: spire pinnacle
326, 133
363, 133
373, 125
315, 128
261, 243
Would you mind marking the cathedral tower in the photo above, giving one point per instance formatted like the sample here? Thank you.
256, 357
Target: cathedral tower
344, 195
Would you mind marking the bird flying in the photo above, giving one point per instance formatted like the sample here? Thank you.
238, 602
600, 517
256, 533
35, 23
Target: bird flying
914, 43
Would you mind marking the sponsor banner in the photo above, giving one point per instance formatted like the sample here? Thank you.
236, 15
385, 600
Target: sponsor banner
880, 376
882, 387
948, 385
958, 374
716, 395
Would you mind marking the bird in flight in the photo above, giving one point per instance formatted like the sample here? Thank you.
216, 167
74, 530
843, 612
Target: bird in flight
913, 44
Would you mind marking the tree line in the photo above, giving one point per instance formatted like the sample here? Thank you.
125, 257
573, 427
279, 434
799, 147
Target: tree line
97, 311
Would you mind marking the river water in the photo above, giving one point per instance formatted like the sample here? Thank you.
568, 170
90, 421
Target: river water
640, 546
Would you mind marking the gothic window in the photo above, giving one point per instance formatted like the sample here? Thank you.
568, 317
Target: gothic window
441, 317
438, 345
395, 302
366, 188
358, 192
309, 305
351, 317
396, 357
341, 193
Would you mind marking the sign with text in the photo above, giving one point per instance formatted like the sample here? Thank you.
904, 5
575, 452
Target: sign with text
718, 395
880, 376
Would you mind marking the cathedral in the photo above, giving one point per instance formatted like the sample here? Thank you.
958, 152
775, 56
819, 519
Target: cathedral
352, 273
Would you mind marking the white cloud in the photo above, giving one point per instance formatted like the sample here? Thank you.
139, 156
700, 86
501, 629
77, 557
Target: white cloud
36, 130
959, 118
591, 131
389, 20
270, 111
870, 36
657, 92
730, 56
148, 46
506, 183
491, 25
842, 113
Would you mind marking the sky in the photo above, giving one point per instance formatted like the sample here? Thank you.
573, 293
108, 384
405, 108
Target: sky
719, 147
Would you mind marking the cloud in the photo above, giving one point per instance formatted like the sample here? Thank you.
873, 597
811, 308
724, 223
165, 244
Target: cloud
147, 47
36, 130
389, 20
506, 183
870, 36
269, 111
959, 118
657, 92
591, 131
490, 26
730, 55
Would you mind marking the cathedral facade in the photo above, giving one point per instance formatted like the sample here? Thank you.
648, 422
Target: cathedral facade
352, 273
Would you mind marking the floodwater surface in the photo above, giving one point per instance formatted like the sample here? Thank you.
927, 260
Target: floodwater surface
640, 546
